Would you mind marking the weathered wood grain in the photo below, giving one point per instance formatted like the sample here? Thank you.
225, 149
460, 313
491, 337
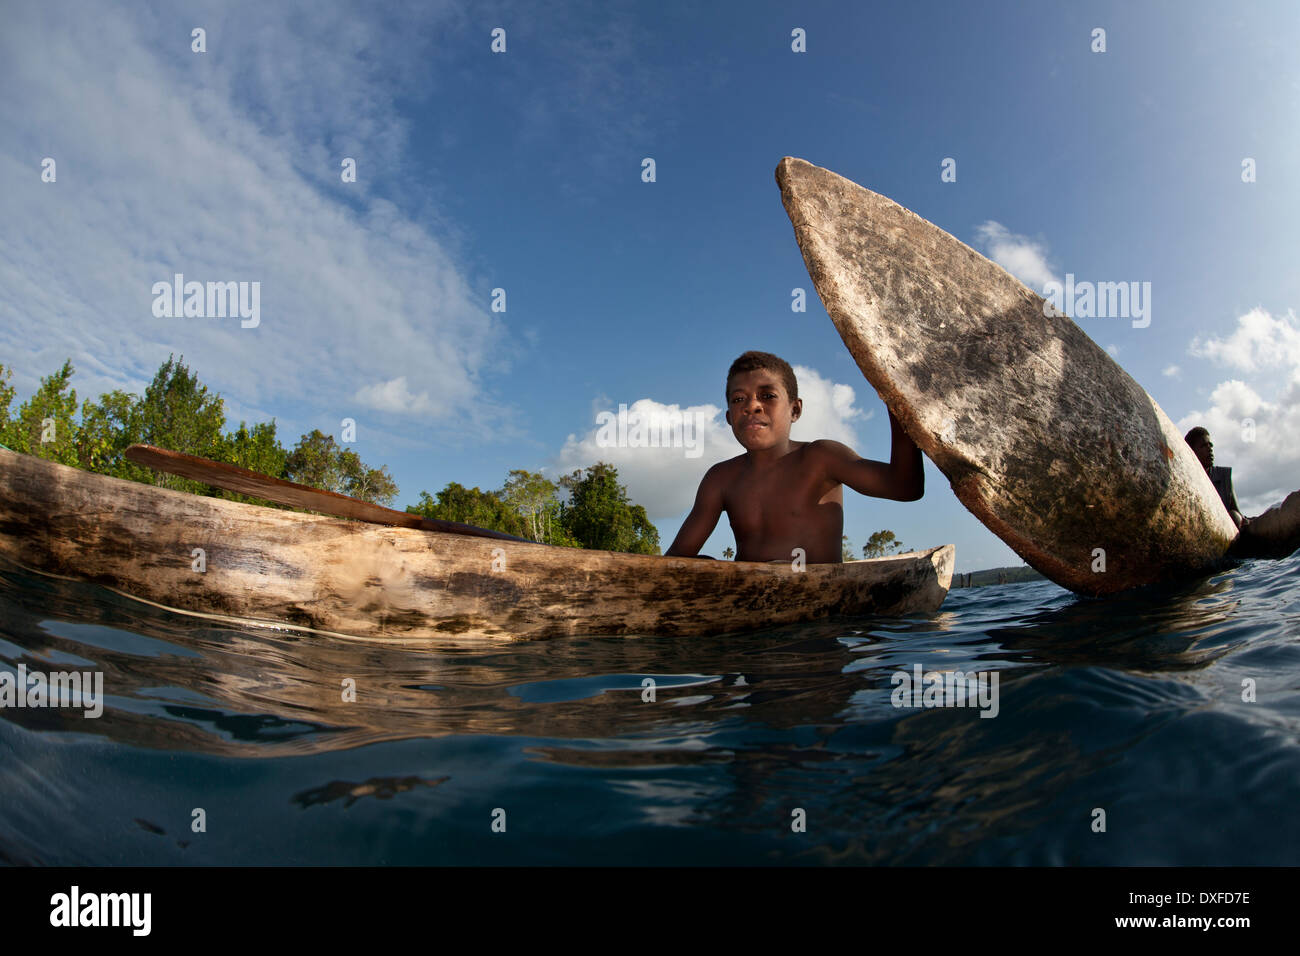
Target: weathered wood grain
402, 584
1043, 437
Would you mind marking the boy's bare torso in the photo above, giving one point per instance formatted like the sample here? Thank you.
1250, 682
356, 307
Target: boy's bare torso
785, 505
783, 497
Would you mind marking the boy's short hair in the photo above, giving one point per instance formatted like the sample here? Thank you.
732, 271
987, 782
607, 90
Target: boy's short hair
1199, 431
773, 363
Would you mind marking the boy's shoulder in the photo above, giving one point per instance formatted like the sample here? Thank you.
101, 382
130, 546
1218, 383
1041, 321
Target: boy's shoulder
723, 468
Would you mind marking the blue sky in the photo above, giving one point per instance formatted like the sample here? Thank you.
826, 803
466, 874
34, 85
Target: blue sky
522, 171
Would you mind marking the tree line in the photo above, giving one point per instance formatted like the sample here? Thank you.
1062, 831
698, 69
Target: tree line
586, 509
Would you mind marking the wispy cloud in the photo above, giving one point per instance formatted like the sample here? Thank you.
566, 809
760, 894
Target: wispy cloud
222, 166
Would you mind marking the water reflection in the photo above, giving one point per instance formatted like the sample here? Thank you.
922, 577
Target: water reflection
742, 731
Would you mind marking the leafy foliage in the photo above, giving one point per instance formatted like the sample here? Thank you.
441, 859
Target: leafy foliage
317, 460
44, 424
880, 544
483, 509
177, 412
583, 510
598, 514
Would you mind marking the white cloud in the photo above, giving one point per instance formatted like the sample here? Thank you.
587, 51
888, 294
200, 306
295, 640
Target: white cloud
1260, 341
1024, 258
829, 410
1255, 425
665, 479
395, 396
1172, 371
1113, 351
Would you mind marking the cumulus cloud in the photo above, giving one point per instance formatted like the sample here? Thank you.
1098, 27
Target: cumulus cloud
1172, 371
1260, 341
690, 440
1024, 258
1255, 425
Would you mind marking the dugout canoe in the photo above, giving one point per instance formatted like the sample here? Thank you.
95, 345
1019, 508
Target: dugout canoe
1043, 437
304, 571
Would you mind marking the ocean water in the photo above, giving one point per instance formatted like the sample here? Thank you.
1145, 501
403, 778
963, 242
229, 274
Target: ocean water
778, 747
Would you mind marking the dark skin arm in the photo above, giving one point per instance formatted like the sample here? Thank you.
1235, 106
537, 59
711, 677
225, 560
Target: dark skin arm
903, 479
1233, 510
699, 524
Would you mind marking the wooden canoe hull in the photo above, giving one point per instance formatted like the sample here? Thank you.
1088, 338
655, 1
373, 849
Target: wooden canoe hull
284, 568
1044, 438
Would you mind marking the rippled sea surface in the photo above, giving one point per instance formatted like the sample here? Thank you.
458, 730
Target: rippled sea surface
778, 747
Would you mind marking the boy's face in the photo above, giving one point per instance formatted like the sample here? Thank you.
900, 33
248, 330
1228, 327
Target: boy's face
1204, 449
759, 411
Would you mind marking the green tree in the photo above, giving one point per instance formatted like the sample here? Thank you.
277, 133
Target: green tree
45, 424
846, 549
483, 509
315, 461
599, 516
535, 499
880, 544
375, 485
256, 449
728, 552
177, 412
319, 461
6, 396
108, 427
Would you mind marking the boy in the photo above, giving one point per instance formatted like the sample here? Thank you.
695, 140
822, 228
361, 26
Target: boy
783, 494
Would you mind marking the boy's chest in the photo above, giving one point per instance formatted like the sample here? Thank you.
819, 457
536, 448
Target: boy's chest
776, 493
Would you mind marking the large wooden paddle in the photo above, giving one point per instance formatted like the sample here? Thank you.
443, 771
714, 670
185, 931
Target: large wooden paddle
245, 482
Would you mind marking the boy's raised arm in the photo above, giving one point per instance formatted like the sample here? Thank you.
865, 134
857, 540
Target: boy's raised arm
903, 479
699, 524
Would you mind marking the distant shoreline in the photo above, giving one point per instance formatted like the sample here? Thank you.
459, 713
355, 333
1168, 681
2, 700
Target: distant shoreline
995, 576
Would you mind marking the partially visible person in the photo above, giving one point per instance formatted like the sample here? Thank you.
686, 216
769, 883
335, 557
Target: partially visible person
1199, 439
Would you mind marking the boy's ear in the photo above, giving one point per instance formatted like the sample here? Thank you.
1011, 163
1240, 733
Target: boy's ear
796, 409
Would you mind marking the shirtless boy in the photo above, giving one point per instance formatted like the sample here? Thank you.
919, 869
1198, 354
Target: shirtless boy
783, 494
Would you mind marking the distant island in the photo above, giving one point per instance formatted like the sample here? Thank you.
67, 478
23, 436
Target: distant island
980, 579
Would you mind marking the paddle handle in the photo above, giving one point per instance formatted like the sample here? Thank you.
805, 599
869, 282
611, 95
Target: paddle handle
245, 482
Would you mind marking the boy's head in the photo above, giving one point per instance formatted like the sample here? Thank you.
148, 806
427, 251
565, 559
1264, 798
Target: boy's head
762, 400
1199, 439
